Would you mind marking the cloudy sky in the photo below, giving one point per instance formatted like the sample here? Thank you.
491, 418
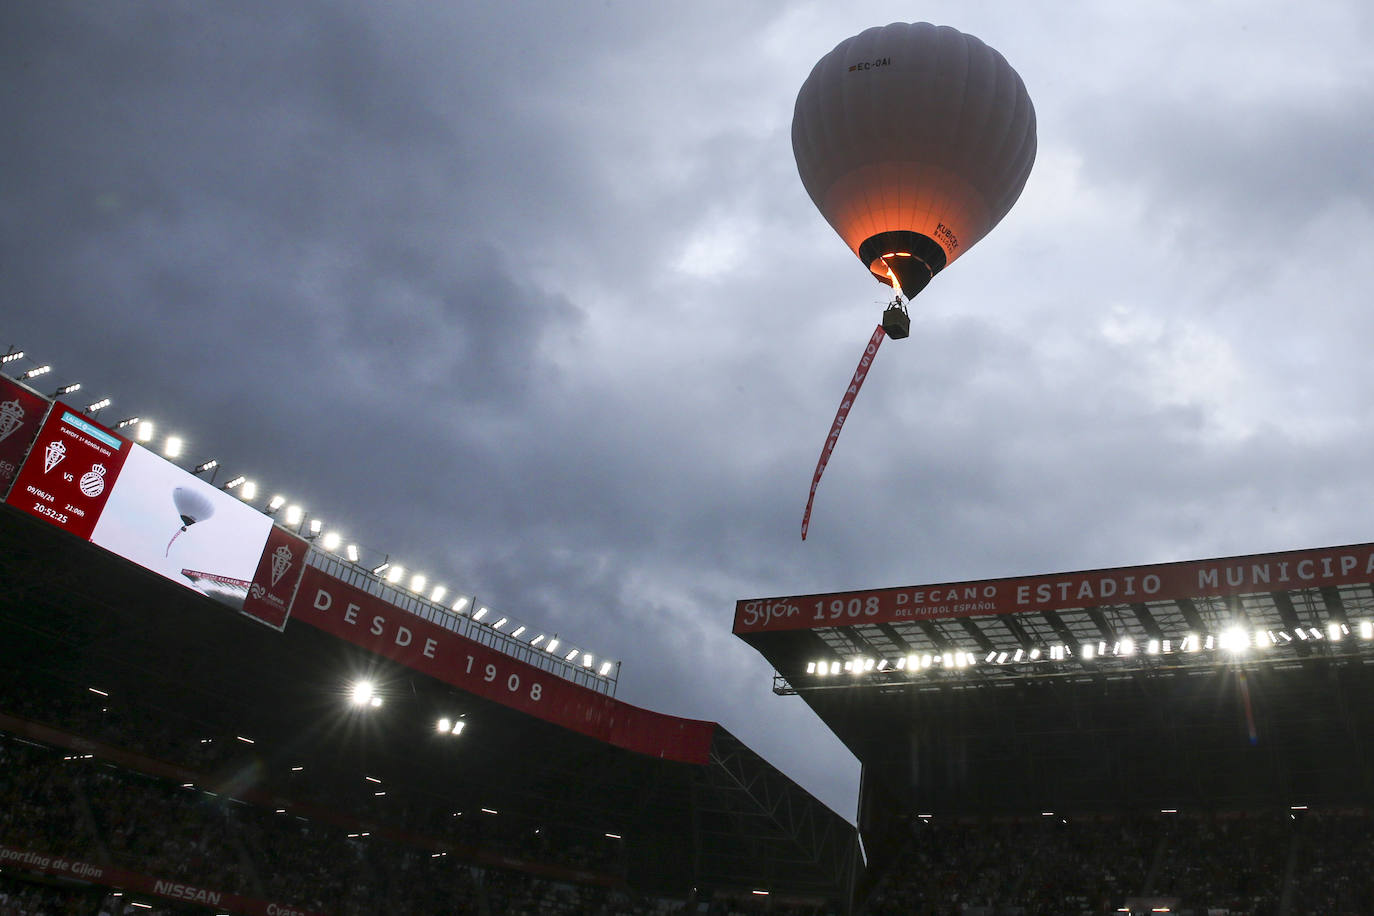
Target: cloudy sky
529, 296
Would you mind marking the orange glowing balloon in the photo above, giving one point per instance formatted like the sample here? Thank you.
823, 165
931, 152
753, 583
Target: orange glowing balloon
913, 141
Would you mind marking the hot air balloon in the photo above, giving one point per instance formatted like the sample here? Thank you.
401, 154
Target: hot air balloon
192, 507
913, 141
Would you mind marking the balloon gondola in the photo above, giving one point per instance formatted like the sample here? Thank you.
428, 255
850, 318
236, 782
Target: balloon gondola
913, 141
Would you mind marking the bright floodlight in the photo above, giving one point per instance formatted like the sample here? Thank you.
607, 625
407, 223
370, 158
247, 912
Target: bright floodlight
205, 466
458, 727
69, 389
552, 647
605, 669
443, 726
461, 602
537, 640
500, 623
587, 659
235, 483
570, 656
249, 491
1088, 652
518, 630
145, 430
1235, 640
1333, 632
438, 594
96, 406
331, 541
36, 372
11, 356
127, 422
276, 502
172, 447
351, 551
363, 693
294, 514
418, 582
480, 613
316, 525
1366, 630
395, 574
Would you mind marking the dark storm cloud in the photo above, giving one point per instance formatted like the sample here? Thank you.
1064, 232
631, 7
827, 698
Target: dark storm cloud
528, 296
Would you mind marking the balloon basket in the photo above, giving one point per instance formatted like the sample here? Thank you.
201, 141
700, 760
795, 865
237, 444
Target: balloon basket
896, 321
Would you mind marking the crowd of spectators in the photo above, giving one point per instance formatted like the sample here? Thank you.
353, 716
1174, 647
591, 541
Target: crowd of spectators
1277, 863
80, 807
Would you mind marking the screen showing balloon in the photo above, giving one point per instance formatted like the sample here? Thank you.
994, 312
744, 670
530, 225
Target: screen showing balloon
177, 525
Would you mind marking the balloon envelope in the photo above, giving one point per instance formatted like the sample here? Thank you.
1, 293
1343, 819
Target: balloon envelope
192, 506
913, 140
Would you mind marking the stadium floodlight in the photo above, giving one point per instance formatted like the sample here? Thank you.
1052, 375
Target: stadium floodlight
11, 356
126, 422
1285, 636
460, 603
97, 690
1088, 652
572, 654
810, 667
834, 667
1366, 630
482, 612
587, 660
316, 526
276, 502
331, 541
868, 664
294, 515
1210, 642
209, 465
395, 574
613, 836
373, 779
351, 552
438, 594
67, 389
98, 406
1020, 655
458, 727
947, 660
537, 640
1333, 632
605, 668
1002, 658
249, 491
362, 693
1302, 634
1127, 646
913, 662
1152, 647
443, 726
35, 372
172, 447
992, 657
500, 623
418, 582
235, 483
552, 647
882, 664
518, 630
1168, 646
1263, 639
1058, 653
145, 430
1035, 654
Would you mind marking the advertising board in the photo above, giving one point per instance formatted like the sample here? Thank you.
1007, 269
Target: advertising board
384, 629
1288, 570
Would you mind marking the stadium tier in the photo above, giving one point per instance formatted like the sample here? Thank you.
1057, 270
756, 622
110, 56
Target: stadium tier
1230, 691
202, 712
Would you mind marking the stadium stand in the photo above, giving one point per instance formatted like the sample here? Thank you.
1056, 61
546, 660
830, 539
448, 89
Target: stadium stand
162, 750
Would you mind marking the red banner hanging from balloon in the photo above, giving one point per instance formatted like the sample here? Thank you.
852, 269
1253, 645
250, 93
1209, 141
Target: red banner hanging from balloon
850, 394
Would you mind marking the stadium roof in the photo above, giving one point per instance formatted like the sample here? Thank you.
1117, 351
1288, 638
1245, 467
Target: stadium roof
1232, 683
74, 617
